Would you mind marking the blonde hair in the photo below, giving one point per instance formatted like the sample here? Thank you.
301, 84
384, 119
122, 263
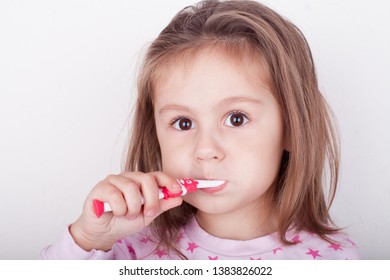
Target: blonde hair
249, 27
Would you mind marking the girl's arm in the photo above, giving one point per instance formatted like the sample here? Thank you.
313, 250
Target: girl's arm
65, 248
92, 237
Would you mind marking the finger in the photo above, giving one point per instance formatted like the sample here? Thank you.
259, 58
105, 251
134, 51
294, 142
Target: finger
164, 180
149, 185
130, 190
105, 191
150, 193
149, 189
164, 206
170, 203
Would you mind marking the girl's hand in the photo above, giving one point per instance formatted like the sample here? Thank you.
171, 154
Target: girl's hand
123, 192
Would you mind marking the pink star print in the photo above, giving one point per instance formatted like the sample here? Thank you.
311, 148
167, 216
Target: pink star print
192, 247
213, 258
131, 249
313, 253
295, 239
160, 253
276, 250
335, 246
145, 239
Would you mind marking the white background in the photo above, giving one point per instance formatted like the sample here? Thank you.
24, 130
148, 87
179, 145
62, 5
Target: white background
67, 72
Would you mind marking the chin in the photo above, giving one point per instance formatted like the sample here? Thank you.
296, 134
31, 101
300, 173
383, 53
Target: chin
212, 206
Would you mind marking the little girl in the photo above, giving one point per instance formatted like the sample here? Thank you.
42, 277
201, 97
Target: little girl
227, 91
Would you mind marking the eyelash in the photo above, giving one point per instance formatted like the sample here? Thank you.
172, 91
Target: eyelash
238, 112
172, 122
175, 120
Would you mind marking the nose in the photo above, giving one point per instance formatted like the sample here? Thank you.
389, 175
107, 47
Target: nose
208, 147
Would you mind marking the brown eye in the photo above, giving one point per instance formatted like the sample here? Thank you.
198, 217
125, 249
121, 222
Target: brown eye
236, 119
183, 124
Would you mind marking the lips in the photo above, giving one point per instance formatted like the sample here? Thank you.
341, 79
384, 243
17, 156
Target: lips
214, 189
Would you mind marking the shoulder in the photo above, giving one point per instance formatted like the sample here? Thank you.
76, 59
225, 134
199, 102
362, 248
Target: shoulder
311, 246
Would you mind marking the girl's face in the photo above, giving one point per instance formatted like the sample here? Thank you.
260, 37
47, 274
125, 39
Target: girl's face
217, 119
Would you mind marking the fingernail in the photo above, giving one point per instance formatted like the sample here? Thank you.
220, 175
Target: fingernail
176, 187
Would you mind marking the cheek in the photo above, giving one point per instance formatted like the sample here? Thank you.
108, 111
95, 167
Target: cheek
175, 149
175, 154
259, 152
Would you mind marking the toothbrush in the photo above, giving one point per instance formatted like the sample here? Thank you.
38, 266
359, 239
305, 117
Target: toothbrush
187, 185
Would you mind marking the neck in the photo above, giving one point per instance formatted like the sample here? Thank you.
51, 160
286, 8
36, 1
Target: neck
244, 224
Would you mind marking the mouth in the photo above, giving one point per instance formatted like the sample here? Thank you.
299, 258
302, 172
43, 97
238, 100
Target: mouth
214, 189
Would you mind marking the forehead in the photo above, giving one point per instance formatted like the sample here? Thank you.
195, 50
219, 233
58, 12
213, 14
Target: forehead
211, 67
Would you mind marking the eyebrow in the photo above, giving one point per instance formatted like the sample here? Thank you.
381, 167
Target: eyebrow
174, 107
239, 99
222, 103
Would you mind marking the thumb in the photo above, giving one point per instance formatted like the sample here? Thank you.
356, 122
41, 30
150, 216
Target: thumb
165, 205
169, 203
